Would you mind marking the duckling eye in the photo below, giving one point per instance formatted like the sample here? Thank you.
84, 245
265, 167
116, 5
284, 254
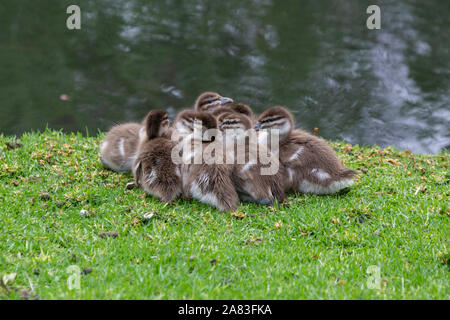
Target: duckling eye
210, 100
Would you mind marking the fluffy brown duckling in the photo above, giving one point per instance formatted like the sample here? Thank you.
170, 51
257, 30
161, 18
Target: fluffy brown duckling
243, 109
237, 108
118, 148
248, 179
207, 182
210, 101
153, 169
311, 164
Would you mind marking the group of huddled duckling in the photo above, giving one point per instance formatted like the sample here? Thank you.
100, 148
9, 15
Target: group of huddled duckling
305, 163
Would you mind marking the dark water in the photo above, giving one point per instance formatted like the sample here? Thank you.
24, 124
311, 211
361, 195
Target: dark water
388, 86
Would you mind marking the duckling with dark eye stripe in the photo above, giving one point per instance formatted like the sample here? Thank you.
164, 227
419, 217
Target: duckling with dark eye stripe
210, 101
248, 179
153, 169
311, 164
210, 183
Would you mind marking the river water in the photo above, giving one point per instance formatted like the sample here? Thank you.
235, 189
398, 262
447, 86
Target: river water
385, 87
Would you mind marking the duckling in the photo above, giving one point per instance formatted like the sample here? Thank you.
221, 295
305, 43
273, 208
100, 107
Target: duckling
210, 101
153, 168
220, 111
311, 164
207, 182
237, 108
248, 179
243, 109
118, 149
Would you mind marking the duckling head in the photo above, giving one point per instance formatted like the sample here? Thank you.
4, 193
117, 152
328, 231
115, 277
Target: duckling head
243, 109
208, 125
156, 123
209, 101
201, 124
233, 108
184, 123
276, 118
234, 121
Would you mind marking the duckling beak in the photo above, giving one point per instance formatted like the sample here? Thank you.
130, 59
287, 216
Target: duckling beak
225, 100
257, 126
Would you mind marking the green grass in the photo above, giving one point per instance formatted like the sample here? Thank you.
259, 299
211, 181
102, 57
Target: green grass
396, 217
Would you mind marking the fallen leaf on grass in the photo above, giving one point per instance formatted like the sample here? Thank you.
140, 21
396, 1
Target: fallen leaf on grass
112, 234
44, 195
4, 286
347, 148
9, 278
420, 189
394, 162
25, 294
149, 215
35, 179
238, 215
362, 170
135, 222
335, 221
59, 204
87, 270
13, 145
253, 240
302, 233
85, 213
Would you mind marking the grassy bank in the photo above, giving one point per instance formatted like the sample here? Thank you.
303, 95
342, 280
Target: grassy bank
59, 207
